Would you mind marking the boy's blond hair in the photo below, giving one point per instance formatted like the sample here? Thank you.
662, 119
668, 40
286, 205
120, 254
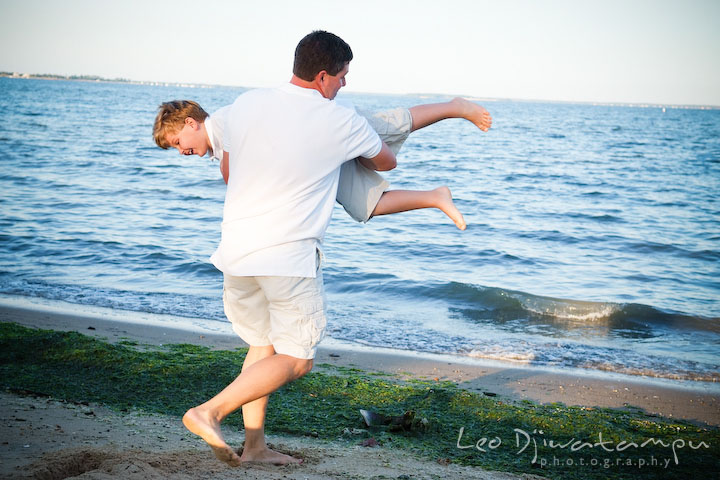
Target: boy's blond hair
171, 119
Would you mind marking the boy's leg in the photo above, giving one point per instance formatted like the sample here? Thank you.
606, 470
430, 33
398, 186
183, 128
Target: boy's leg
359, 189
395, 201
363, 194
429, 113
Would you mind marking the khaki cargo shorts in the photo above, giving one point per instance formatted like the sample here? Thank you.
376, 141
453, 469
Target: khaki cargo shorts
285, 312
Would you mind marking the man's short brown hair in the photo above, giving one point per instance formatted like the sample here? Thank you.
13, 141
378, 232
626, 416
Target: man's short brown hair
320, 51
171, 118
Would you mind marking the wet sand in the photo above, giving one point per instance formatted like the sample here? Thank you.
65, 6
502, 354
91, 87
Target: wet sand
693, 401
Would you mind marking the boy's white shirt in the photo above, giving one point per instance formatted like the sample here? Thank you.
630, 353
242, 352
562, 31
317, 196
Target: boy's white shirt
214, 127
291, 143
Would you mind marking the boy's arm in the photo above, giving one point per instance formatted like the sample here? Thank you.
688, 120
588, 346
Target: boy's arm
382, 162
225, 166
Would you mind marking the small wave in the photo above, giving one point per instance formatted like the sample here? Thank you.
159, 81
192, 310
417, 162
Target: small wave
200, 183
652, 247
200, 268
617, 316
193, 198
597, 193
481, 304
504, 356
703, 376
552, 236
165, 303
65, 205
595, 358
567, 309
502, 300
709, 255
643, 314
529, 350
30, 125
596, 218
629, 144
103, 153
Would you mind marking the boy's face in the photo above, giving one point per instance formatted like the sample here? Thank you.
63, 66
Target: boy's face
191, 139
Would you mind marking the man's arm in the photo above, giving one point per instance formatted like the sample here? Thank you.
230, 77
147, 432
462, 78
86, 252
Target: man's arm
382, 162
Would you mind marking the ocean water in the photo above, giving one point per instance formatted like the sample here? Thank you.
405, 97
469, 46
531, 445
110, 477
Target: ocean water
593, 238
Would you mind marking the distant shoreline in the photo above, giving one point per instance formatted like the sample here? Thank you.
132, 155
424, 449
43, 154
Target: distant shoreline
99, 79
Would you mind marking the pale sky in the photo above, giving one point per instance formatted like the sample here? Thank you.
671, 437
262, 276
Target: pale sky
631, 51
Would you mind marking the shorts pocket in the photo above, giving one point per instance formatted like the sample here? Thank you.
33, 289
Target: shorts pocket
314, 319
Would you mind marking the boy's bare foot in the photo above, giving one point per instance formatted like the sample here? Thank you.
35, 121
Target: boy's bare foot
445, 203
474, 113
208, 429
266, 455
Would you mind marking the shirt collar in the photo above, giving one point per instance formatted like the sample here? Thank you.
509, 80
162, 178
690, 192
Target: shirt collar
209, 132
297, 90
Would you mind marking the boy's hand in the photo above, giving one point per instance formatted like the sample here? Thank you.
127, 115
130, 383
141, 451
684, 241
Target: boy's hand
225, 166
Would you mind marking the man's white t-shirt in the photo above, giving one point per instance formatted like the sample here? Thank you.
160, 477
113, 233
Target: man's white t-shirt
286, 147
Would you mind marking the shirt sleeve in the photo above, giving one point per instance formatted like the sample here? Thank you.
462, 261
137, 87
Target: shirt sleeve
363, 140
226, 120
225, 143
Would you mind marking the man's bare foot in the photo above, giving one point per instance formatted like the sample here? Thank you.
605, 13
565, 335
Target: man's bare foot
474, 113
266, 455
445, 203
208, 429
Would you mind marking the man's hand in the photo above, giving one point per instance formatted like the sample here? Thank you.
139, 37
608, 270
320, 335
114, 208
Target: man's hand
382, 162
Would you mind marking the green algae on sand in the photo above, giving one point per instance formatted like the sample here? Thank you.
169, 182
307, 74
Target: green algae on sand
444, 422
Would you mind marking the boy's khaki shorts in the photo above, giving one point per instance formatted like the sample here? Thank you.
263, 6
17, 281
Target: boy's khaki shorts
360, 188
285, 312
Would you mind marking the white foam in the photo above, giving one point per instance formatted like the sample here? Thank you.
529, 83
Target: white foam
199, 325
569, 309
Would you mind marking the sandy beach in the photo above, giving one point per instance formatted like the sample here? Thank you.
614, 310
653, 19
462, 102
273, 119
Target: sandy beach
42, 434
49, 439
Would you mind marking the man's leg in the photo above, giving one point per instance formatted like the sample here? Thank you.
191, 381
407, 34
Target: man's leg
256, 449
255, 382
429, 113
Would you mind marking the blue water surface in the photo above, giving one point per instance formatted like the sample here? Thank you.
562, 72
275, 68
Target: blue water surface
593, 237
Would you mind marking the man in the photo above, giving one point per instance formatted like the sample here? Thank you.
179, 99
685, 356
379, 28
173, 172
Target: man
284, 148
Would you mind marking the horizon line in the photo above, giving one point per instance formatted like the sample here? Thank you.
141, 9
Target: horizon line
98, 78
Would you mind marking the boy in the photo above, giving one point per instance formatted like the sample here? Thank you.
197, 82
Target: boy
184, 125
